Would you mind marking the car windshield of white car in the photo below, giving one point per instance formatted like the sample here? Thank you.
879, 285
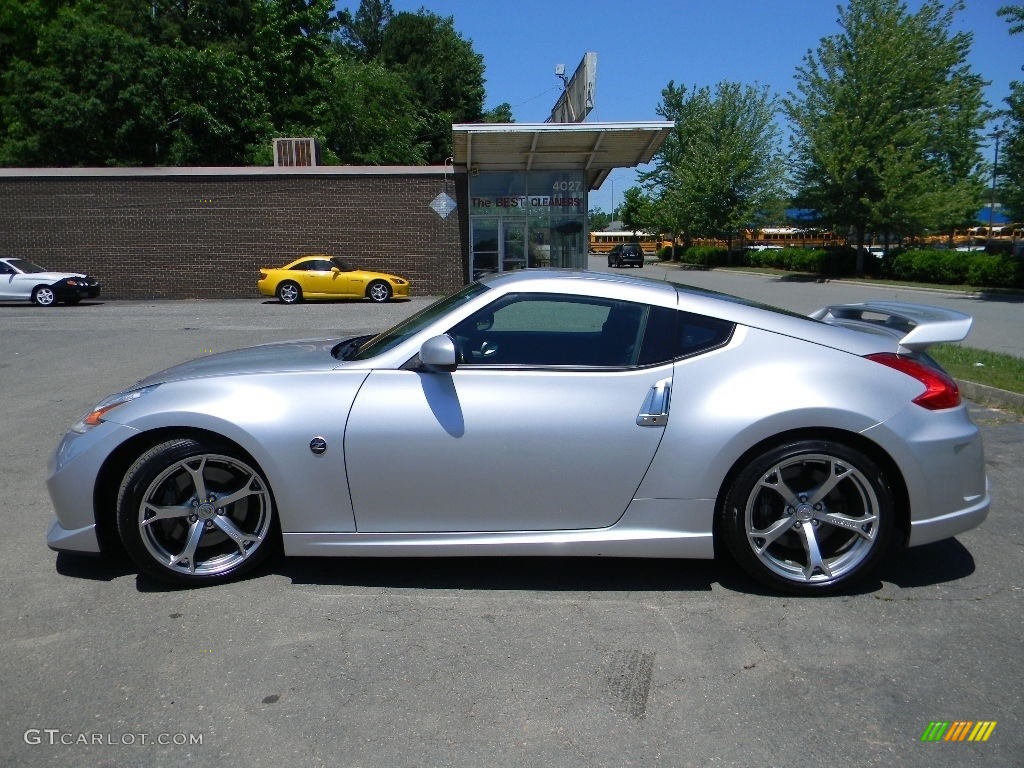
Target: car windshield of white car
25, 266
411, 325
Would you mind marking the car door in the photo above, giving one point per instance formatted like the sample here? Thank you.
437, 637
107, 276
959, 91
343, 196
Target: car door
317, 277
7, 284
548, 424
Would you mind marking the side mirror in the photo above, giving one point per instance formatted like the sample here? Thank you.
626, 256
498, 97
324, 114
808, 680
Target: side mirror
438, 354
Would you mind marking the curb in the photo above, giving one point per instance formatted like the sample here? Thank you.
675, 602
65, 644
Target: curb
991, 396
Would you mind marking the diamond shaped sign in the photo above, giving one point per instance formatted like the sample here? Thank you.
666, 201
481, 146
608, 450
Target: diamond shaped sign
443, 205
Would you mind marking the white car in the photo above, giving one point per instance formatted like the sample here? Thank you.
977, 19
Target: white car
21, 280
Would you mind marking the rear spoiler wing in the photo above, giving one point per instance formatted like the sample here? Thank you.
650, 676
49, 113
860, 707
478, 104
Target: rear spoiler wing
917, 326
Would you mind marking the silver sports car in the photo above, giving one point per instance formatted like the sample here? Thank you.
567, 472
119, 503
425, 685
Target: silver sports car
543, 412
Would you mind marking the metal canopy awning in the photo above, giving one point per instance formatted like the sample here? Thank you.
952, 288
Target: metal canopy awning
595, 148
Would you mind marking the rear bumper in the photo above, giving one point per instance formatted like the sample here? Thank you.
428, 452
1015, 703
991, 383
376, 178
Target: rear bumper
943, 463
950, 524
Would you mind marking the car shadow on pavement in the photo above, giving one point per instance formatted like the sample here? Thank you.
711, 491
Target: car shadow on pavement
551, 574
939, 563
928, 565
93, 568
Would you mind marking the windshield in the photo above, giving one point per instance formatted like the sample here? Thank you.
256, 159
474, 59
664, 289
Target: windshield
411, 325
25, 266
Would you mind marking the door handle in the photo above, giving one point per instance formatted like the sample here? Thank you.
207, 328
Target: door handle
654, 411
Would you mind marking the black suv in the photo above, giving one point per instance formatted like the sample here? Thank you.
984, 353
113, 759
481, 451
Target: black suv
626, 254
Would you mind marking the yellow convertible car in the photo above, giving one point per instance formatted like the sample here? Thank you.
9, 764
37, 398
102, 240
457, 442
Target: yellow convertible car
318, 276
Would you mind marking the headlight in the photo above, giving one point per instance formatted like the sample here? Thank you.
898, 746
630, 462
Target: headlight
95, 417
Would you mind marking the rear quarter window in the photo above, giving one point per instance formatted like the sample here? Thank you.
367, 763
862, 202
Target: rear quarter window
672, 334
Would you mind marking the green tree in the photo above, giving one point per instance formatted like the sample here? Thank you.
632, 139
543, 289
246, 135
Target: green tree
1011, 165
77, 95
443, 70
201, 82
720, 166
363, 32
499, 114
370, 117
636, 210
886, 122
597, 219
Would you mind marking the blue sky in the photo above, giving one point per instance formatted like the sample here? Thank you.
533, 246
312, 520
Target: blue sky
643, 44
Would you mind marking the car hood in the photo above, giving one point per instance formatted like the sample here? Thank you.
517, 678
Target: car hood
54, 276
279, 357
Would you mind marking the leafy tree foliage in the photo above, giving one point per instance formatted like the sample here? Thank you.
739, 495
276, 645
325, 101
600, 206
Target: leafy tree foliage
886, 120
1011, 165
363, 32
597, 219
205, 82
721, 164
635, 211
444, 71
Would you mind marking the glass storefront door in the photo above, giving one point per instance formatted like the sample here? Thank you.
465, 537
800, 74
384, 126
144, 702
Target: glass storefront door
484, 254
531, 219
513, 244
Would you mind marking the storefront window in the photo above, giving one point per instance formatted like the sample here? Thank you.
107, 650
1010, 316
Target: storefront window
533, 219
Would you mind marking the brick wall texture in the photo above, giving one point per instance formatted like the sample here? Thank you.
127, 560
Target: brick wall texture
206, 236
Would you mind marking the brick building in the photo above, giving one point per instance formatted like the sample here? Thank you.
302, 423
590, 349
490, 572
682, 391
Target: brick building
516, 196
204, 232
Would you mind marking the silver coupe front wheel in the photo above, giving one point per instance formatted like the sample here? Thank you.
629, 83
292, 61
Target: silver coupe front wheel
809, 518
190, 513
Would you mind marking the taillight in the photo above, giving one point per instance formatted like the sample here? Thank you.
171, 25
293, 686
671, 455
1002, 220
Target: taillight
940, 391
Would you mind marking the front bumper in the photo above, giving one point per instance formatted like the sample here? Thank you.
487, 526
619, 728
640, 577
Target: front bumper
71, 482
66, 290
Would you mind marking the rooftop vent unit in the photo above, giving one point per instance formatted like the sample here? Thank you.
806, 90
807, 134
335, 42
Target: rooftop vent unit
295, 152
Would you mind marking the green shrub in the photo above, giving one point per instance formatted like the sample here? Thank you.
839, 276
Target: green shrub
994, 270
705, 255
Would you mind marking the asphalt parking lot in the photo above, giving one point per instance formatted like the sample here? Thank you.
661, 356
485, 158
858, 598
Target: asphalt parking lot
468, 662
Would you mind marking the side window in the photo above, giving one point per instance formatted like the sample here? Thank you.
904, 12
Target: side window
321, 265
583, 332
552, 330
6, 269
672, 334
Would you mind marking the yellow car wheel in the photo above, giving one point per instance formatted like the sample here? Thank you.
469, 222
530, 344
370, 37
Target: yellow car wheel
289, 292
378, 291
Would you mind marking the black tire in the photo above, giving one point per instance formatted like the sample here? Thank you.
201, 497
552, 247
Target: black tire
43, 296
378, 291
807, 497
289, 292
170, 523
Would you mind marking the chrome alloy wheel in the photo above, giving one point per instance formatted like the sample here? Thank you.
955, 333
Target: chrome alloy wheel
812, 518
379, 291
204, 515
44, 296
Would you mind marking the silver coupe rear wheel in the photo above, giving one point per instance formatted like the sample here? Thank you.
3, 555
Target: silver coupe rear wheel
810, 517
190, 513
